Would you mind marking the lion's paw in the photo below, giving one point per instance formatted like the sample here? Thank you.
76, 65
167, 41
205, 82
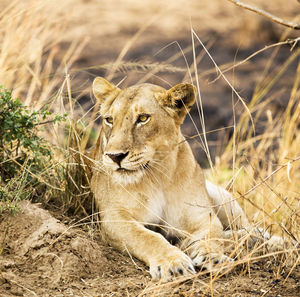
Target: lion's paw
210, 261
173, 265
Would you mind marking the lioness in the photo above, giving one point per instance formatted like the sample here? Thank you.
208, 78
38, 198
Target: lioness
146, 178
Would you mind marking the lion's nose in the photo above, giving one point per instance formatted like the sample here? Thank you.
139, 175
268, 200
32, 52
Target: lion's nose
117, 158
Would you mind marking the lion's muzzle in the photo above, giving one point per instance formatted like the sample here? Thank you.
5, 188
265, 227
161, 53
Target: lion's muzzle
118, 158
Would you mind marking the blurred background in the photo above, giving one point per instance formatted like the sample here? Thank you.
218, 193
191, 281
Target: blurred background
130, 41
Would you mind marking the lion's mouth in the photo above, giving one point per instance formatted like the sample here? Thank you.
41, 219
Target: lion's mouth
126, 170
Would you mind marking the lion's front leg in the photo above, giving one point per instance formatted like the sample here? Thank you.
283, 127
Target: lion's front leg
165, 261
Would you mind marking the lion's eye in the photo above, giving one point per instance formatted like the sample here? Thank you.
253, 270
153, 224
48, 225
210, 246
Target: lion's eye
109, 120
142, 118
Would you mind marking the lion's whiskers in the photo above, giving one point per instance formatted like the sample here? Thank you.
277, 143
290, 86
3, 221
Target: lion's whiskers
155, 166
159, 163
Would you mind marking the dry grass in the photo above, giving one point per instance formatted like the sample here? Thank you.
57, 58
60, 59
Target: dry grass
31, 60
269, 162
263, 171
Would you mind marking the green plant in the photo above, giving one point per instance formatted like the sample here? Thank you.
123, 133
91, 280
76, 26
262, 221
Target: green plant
23, 153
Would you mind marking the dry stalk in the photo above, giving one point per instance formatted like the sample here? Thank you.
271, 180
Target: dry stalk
291, 42
273, 18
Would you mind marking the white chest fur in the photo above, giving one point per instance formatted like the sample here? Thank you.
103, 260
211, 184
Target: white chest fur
155, 207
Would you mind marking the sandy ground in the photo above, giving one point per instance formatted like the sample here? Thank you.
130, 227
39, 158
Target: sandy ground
43, 256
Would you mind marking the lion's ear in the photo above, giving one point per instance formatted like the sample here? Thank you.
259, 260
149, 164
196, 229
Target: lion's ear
104, 90
179, 99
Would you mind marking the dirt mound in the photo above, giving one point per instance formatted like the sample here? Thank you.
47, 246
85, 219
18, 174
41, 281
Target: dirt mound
41, 256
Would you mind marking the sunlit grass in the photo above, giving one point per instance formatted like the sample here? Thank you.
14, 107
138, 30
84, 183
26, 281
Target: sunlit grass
268, 163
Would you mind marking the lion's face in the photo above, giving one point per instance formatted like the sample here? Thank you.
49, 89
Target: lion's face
140, 127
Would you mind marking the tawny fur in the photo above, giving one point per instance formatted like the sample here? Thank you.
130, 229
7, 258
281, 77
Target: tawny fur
158, 184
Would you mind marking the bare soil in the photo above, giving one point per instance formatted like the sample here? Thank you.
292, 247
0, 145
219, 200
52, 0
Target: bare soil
44, 256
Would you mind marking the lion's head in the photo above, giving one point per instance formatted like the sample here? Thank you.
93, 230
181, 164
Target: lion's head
140, 127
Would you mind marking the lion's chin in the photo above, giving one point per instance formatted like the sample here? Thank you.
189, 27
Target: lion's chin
126, 177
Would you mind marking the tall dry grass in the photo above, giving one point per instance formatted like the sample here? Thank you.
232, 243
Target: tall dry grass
265, 170
33, 61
